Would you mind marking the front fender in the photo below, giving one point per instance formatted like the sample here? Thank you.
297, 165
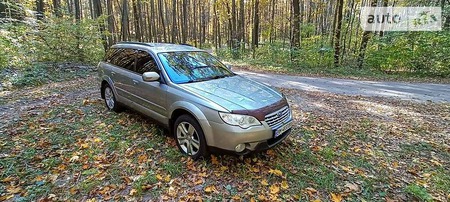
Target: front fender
198, 115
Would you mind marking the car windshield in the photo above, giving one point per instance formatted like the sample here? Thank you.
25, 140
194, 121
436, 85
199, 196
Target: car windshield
188, 67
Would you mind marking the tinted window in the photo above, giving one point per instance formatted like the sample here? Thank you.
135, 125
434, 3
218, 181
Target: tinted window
184, 67
122, 57
145, 63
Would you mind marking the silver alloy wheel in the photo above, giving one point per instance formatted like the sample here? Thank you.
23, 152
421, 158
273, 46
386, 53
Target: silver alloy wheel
188, 138
109, 98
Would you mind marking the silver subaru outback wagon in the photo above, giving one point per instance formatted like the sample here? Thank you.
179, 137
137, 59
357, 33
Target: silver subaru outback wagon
206, 106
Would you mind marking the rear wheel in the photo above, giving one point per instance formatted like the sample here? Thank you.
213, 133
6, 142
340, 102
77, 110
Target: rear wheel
189, 137
110, 99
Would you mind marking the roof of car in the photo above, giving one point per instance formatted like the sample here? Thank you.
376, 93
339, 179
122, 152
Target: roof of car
159, 47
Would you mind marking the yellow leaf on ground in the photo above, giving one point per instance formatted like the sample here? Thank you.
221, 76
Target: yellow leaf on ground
274, 189
132, 192
84, 145
336, 197
276, 172
214, 160
159, 177
210, 189
270, 152
167, 178
264, 182
252, 200
317, 200
200, 181
13, 190
284, 185
261, 197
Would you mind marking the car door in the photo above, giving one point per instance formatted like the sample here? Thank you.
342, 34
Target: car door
149, 95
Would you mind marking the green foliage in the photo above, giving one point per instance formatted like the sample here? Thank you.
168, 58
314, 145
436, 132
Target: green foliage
421, 53
39, 74
63, 40
55, 40
418, 192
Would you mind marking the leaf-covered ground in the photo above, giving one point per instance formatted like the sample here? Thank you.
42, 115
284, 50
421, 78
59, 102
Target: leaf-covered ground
58, 142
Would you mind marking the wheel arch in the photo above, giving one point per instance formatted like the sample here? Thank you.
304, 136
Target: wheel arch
181, 107
106, 81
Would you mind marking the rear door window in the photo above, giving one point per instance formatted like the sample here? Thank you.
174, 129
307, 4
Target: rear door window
122, 57
145, 62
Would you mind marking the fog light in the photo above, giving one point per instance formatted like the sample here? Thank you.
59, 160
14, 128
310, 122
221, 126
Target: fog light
239, 147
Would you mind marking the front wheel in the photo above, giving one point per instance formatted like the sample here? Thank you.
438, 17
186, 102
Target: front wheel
189, 137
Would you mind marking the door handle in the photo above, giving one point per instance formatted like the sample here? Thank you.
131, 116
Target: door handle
113, 73
135, 82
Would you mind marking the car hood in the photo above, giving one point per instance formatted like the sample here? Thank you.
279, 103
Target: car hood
235, 93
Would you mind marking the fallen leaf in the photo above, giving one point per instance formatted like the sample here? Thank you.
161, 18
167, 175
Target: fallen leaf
336, 197
214, 160
274, 189
74, 158
13, 190
276, 172
284, 185
159, 177
210, 189
132, 192
264, 182
167, 178
200, 181
351, 187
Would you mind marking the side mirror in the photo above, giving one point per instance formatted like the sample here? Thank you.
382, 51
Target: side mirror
150, 76
229, 67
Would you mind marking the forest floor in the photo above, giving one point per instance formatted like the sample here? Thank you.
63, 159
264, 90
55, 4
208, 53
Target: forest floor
58, 142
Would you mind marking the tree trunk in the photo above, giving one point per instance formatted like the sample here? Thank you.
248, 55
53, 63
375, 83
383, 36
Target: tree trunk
109, 8
57, 8
272, 22
337, 34
97, 4
40, 9
233, 25
255, 32
185, 26
241, 34
137, 26
295, 40
125, 25
161, 15
174, 21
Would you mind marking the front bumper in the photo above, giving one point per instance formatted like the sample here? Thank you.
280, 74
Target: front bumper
260, 138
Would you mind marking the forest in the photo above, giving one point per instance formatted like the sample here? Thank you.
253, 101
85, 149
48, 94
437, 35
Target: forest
280, 35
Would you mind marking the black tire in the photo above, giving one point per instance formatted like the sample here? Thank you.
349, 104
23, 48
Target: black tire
110, 99
197, 137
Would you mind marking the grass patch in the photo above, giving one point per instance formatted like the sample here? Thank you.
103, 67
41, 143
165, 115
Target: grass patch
419, 192
41, 73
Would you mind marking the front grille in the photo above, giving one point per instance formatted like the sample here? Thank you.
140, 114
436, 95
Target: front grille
278, 118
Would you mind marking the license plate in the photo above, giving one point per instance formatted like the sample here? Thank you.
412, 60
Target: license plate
283, 129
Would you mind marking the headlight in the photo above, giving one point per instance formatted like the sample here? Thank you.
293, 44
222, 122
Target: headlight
242, 121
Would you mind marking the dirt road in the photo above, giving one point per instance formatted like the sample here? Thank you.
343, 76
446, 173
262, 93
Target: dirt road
421, 92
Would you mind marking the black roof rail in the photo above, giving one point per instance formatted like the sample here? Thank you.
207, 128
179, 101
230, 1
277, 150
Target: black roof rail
186, 44
135, 42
